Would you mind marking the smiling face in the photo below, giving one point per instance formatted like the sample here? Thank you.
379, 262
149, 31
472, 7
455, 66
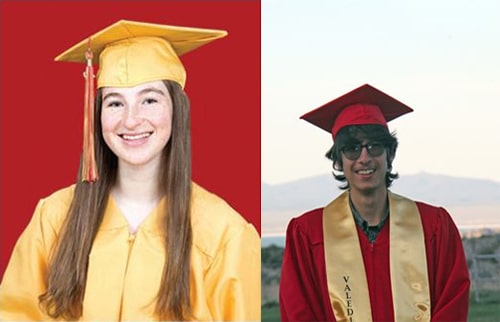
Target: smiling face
354, 140
367, 173
137, 122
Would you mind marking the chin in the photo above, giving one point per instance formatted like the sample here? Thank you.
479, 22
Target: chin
369, 188
136, 162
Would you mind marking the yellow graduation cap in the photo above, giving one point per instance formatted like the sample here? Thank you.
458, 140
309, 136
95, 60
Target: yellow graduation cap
130, 53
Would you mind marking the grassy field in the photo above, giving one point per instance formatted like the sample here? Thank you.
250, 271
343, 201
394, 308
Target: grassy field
270, 314
487, 311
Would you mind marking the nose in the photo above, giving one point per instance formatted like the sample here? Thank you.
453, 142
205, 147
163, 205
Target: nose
132, 117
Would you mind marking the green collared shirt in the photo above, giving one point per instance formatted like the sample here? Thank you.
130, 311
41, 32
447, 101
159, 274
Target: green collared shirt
370, 231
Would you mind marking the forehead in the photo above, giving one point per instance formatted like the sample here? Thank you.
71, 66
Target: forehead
362, 134
141, 88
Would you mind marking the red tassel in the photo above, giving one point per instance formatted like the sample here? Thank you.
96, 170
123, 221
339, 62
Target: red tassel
89, 166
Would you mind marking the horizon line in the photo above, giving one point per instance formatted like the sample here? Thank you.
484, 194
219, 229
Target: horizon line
404, 174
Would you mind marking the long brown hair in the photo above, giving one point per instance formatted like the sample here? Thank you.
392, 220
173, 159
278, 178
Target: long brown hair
67, 274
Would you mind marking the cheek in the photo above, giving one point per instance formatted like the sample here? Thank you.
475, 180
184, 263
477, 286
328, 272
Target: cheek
165, 128
164, 121
108, 120
108, 124
347, 164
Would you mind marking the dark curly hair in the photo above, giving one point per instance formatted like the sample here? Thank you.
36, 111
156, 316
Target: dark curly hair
354, 134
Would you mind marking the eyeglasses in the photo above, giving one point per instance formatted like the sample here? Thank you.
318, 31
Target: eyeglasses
352, 152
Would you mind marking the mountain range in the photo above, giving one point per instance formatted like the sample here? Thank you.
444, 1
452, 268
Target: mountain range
471, 202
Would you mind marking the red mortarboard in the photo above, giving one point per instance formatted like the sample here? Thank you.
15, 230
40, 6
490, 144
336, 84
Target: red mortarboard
363, 105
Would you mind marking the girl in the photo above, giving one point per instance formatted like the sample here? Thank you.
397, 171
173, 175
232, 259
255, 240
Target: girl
135, 238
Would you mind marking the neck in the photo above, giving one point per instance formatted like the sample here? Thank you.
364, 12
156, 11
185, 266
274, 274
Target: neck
370, 206
137, 184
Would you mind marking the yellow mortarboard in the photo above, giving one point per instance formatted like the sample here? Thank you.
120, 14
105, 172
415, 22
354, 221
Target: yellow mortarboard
130, 53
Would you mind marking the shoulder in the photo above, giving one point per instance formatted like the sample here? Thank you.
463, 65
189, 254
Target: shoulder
60, 199
54, 207
208, 207
308, 227
48, 217
308, 220
215, 223
428, 210
434, 218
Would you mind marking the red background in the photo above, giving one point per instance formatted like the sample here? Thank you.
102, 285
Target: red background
42, 101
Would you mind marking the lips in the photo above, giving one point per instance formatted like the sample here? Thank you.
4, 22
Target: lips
135, 136
365, 171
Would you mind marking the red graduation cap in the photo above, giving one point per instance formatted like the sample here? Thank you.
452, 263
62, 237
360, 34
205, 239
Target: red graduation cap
363, 105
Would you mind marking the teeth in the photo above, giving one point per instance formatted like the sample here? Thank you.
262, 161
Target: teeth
368, 171
136, 137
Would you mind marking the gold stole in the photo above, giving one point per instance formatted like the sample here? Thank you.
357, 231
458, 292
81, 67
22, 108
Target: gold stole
345, 270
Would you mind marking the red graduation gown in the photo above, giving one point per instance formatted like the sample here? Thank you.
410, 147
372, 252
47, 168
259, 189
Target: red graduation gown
303, 285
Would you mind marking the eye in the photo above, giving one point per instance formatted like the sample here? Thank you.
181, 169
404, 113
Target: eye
376, 146
148, 101
114, 104
352, 148
376, 149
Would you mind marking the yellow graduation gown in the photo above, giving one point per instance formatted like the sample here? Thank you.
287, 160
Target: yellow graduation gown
125, 270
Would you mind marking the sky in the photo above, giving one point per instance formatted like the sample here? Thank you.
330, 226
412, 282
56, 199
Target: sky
442, 58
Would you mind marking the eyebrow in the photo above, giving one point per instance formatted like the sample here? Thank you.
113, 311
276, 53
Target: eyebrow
141, 92
105, 97
152, 89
